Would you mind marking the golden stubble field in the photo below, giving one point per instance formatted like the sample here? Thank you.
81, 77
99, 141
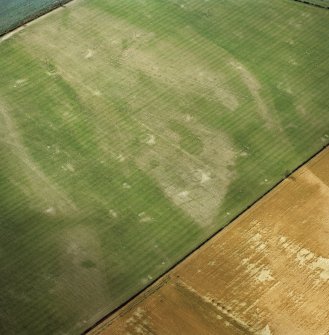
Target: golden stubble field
267, 273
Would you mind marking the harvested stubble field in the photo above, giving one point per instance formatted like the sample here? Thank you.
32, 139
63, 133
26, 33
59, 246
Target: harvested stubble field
131, 131
265, 274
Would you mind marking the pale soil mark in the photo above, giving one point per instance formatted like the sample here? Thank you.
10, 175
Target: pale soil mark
317, 265
254, 87
150, 139
265, 331
175, 146
20, 82
195, 183
113, 213
89, 54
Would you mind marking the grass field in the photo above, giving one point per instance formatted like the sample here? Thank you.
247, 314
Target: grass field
131, 131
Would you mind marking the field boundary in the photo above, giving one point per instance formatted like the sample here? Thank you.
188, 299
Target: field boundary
32, 17
62, 3
164, 277
309, 3
255, 235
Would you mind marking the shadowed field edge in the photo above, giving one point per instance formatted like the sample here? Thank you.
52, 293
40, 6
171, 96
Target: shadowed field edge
312, 4
33, 16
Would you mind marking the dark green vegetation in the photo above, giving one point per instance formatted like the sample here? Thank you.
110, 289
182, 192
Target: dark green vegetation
131, 131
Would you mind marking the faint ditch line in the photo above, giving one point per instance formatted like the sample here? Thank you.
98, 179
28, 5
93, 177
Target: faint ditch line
21, 153
227, 316
254, 87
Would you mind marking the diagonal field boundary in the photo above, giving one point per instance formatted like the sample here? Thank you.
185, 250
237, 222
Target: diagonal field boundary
309, 3
33, 16
62, 3
258, 238
161, 279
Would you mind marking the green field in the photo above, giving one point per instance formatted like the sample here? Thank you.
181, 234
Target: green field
132, 130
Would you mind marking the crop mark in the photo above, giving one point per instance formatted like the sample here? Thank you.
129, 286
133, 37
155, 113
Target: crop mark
177, 147
196, 186
43, 187
213, 304
254, 87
